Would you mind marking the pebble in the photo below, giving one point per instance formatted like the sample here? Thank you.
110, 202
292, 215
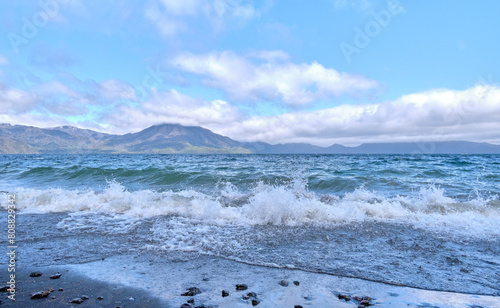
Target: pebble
296, 283
131, 299
249, 295
241, 287
344, 297
191, 301
284, 283
40, 294
60, 289
76, 301
191, 292
255, 302
297, 306
225, 293
186, 306
100, 298
55, 276
36, 274
453, 261
84, 297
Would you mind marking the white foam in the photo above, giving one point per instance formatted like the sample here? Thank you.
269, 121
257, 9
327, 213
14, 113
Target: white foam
289, 205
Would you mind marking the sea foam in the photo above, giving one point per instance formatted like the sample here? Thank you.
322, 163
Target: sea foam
288, 205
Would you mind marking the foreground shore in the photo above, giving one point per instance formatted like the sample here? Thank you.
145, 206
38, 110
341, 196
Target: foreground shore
139, 281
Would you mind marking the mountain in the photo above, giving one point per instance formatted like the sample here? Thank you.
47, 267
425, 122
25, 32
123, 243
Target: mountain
175, 138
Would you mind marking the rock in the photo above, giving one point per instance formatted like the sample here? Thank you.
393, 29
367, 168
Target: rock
36, 274
53, 297
60, 289
40, 294
55, 276
191, 292
296, 283
191, 301
100, 298
84, 297
365, 302
241, 287
77, 300
131, 299
297, 306
249, 296
284, 283
225, 293
357, 298
186, 306
206, 279
344, 297
255, 302
308, 298
5, 289
453, 261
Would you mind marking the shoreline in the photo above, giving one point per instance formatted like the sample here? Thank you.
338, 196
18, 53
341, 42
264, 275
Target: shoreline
153, 282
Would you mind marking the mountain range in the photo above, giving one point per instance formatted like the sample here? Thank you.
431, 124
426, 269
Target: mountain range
175, 138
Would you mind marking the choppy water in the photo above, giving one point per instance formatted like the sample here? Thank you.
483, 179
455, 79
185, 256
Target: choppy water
427, 221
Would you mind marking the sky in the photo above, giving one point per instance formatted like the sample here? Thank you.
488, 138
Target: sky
277, 71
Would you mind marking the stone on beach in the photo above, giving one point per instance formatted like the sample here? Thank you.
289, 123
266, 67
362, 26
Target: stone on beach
225, 293
36, 274
76, 300
284, 283
344, 297
249, 295
255, 302
55, 276
186, 306
241, 287
191, 292
296, 283
40, 294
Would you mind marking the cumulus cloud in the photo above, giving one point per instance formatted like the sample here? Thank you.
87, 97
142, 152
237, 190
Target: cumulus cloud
294, 84
172, 107
169, 15
116, 89
14, 101
438, 115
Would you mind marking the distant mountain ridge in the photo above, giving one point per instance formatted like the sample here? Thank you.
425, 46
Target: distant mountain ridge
176, 138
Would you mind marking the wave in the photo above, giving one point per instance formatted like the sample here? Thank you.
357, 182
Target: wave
289, 204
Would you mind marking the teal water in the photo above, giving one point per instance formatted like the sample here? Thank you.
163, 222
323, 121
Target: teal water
427, 221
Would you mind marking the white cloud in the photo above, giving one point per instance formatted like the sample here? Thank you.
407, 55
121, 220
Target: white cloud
13, 101
172, 107
169, 16
437, 115
116, 89
294, 84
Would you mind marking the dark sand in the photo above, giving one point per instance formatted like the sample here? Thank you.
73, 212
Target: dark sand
74, 285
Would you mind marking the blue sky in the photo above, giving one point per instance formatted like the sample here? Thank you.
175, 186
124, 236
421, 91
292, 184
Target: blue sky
323, 71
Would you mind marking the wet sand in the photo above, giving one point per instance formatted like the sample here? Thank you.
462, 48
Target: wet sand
152, 282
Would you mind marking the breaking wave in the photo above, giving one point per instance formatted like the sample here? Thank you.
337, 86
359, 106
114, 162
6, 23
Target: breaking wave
281, 205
